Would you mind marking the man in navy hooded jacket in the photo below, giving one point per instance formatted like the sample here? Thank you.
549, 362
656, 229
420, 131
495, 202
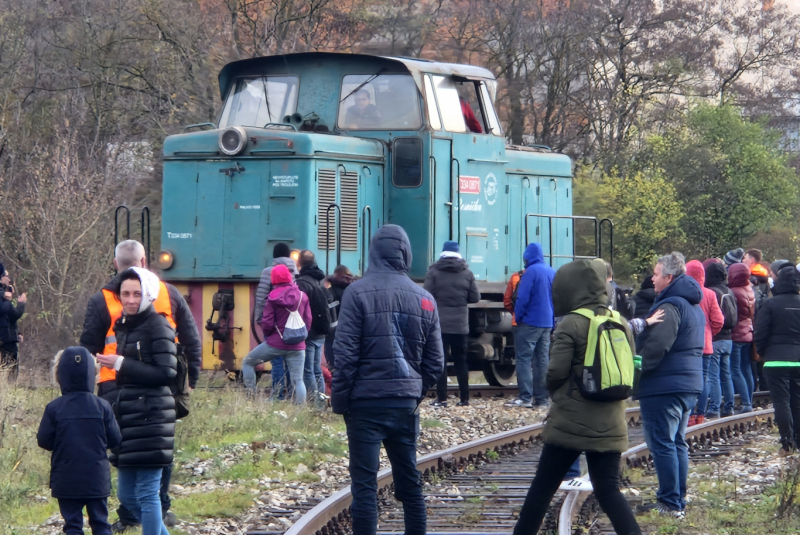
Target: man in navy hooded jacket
534, 314
78, 428
672, 378
388, 348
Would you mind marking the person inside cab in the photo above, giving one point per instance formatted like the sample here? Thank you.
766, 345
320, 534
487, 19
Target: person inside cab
362, 114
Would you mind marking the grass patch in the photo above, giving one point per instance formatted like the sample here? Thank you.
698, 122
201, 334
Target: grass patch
278, 438
220, 503
431, 422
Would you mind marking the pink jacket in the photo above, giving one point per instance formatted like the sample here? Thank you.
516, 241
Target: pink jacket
283, 299
709, 305
739, 283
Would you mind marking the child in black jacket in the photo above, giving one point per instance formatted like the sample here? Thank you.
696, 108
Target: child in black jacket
78, 428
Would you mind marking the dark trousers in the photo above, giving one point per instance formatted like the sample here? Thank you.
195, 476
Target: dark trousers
784, 388
457, 344
604, 473
9, 359
97, 509
127, 518
398, 429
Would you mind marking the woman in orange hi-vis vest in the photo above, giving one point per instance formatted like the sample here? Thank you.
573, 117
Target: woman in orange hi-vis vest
144, 406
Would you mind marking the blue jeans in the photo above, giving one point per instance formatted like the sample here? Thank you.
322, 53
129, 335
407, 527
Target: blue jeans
574, 470
312, 369
258, 355
398, 429
702, 400
137, 490
742, 373
532, 346
665, 418
720, 384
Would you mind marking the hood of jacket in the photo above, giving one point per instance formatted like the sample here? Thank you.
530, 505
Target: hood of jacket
716, 274
685, 287
390, 250
738, 276
75, 370
533, 254
578, 285
341, 281
788, 281
288, 262
313, 271
150, 286
696, 271
285, 295
280, 275
451, 263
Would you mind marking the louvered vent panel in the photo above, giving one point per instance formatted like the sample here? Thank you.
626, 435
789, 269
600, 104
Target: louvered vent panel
327, 196
348, 193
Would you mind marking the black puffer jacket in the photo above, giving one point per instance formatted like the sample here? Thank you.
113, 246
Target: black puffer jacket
9, 315
453, 286
98, 320
388, 344
145, 408
777, 334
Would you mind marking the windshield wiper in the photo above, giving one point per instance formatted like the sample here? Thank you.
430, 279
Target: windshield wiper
266, 97
368, 80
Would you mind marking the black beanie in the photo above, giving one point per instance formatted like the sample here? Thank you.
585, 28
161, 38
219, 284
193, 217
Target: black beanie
281, 250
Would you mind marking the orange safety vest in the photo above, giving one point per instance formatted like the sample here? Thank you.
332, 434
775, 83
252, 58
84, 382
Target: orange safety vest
114, 305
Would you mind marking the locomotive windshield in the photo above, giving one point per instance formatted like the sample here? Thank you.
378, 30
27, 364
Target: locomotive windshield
258, 101
379, 102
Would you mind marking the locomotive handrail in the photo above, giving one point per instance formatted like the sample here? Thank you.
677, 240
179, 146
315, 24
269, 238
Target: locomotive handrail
610, 239
478, 160
281, 125
199, 125
573, 218
455, 196
146, 225
328, 236
116, 223
366, 215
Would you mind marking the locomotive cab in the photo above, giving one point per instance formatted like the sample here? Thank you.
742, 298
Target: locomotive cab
318, 150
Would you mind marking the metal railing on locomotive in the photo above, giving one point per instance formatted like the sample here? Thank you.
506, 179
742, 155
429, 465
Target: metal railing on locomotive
144, 227
597, 235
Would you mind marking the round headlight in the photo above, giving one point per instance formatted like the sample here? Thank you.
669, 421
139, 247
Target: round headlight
232, 140
164, 260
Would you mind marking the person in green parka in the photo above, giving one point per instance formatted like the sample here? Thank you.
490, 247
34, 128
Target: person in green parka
575, 424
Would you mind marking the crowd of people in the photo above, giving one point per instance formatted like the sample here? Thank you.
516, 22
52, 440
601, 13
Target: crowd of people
703, 331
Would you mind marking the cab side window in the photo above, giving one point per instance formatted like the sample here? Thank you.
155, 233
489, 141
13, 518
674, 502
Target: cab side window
460, 104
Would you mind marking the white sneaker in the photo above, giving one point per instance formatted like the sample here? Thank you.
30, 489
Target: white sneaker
581, 485
519, 403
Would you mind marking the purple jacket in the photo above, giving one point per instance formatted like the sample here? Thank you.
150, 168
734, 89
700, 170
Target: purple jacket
283, 299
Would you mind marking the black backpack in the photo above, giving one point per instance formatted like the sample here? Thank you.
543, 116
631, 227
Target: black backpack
727, 304
319, 299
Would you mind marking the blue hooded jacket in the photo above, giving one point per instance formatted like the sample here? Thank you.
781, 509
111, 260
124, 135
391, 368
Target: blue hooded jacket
78, 428
535, 290
672, 350
388, 344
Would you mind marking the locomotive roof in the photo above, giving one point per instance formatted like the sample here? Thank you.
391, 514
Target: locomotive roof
415, 67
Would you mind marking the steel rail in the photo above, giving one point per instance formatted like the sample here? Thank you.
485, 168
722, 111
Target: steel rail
638, 455
324, 516
328, 514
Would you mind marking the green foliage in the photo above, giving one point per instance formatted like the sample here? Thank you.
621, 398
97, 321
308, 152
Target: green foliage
730, 175
648, 217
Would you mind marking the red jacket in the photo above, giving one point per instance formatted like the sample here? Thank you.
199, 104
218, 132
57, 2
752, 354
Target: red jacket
739, 283
709, 305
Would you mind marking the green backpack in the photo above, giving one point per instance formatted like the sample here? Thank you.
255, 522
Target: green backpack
608, 369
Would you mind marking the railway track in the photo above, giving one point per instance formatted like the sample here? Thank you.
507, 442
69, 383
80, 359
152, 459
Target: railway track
486, 497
